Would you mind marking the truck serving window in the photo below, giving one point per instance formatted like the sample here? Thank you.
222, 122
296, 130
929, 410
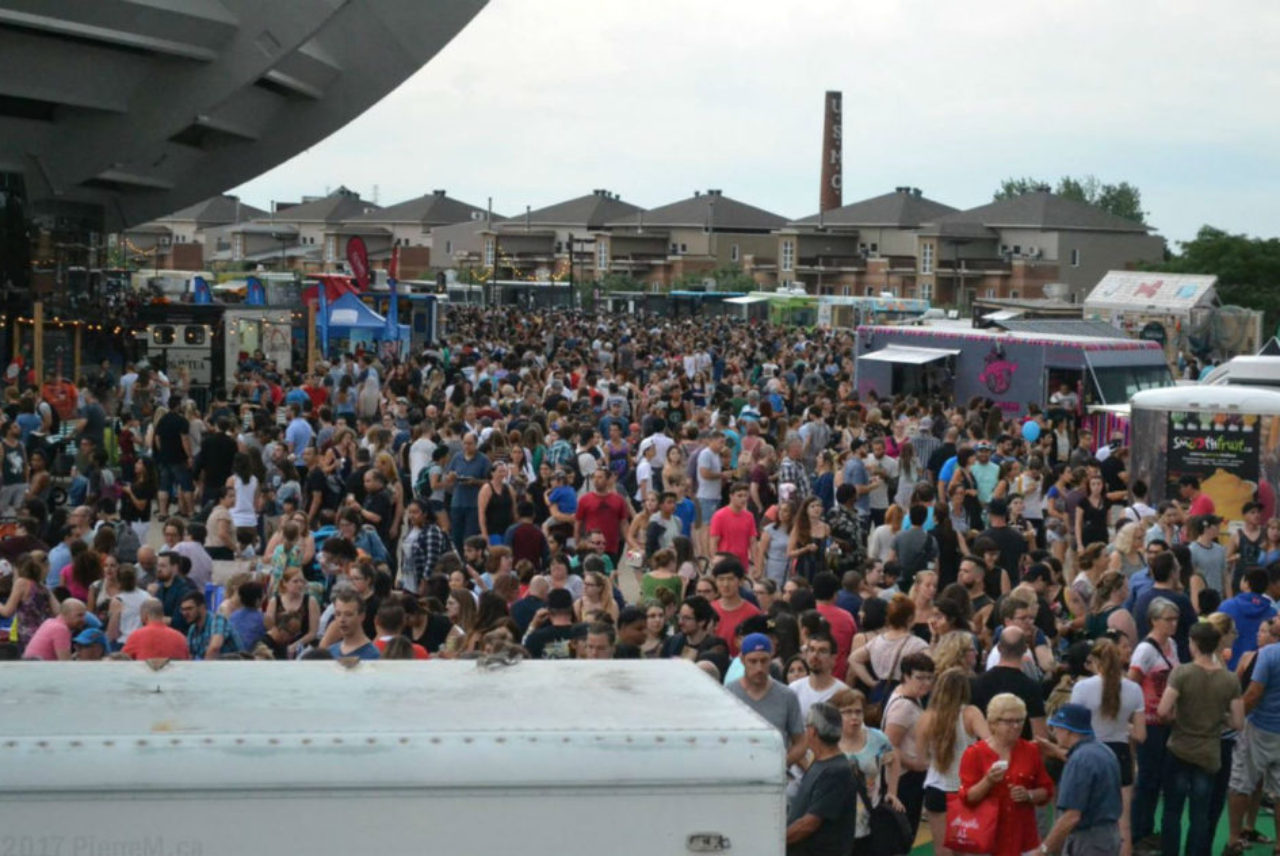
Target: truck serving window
1117, 384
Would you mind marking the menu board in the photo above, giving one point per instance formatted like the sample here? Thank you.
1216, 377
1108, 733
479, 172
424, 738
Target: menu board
1222, 450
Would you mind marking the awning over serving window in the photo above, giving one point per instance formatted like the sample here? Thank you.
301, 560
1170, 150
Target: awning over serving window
908, 355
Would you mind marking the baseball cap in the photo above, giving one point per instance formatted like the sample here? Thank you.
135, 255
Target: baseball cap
91, 636
1073, 717
753, 642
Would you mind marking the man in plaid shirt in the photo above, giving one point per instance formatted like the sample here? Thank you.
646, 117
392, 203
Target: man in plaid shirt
792, 471
559, 451
208, 636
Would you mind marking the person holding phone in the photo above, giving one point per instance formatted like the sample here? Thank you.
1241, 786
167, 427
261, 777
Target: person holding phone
466, 473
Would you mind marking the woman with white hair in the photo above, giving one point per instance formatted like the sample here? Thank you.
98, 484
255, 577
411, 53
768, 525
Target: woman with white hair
1008, 769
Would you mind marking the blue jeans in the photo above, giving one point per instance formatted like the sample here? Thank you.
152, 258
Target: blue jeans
1146, 789
464, 521
1218, 800
1185, 783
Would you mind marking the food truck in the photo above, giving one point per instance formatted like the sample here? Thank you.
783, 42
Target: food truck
1013, 369
389, 757
1227, 436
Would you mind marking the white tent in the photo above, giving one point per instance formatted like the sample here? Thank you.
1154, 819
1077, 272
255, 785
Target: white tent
1124, 292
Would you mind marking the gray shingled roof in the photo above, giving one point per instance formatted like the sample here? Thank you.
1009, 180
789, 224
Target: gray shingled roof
710, 208
1042, 210
216, 211
901, 209
433, 209
592, 211
340, 205
958, 230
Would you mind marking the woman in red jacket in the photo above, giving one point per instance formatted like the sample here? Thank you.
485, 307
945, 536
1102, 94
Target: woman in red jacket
1006, 768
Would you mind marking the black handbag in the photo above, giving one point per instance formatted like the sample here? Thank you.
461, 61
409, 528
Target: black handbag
890, 830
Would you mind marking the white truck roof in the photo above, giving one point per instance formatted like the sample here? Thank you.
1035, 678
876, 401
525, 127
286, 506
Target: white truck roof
262, 725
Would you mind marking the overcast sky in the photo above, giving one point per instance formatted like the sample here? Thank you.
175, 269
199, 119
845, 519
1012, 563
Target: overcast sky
538, 101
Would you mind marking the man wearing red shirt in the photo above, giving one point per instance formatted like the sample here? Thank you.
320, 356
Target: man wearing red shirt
1189, 489
843, 628
314, 388
733, 528
730, 606
155, 639
388, 624
604, 509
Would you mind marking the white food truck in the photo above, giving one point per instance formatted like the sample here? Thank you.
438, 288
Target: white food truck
392, 757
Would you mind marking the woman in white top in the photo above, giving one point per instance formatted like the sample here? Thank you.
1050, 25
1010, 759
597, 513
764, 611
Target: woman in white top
950, 726
244, 514
125, 614
1118, 717
880, 542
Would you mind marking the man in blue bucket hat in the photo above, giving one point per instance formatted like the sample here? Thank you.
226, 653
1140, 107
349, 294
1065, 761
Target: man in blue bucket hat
1089, 803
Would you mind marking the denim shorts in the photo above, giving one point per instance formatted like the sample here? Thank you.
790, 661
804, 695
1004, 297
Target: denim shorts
706, 508
175, 475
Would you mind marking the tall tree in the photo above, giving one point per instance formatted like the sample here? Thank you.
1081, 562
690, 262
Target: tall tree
1123, 199
1247, 268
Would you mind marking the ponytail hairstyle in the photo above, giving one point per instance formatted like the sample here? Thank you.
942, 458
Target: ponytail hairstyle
1106, 659
1108, 584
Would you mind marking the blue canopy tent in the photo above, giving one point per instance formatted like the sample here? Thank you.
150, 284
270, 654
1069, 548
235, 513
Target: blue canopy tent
348, 318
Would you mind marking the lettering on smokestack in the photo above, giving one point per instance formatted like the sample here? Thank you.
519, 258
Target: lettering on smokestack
832, 153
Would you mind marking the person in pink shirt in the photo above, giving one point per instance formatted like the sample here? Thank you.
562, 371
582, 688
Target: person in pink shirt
52, 641
826, 586
85, 569
733, 528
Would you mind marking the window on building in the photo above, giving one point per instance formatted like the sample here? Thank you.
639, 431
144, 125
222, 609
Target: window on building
991, 292
1004, 249
488, 252
788, 255
1017, 249
448, 248
869, 291
926, 258
1013, 295
684, 248
602, 255
1075, 258
875, 248
675, 248
926, 291
735, 253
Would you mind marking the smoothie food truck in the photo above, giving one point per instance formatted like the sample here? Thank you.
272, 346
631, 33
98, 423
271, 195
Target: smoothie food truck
1012, 369
1226, 436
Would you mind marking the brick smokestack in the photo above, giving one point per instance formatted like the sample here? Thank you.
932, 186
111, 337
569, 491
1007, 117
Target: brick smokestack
832, 154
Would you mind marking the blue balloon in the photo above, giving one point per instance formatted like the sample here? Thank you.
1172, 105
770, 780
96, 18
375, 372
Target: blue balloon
1031, 431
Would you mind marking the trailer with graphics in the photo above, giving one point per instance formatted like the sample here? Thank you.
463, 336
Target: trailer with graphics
1013, 369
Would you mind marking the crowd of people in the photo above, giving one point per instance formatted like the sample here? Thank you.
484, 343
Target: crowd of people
954, 616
